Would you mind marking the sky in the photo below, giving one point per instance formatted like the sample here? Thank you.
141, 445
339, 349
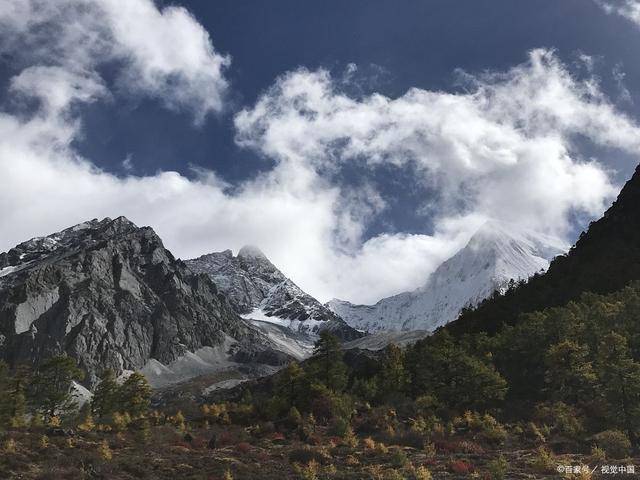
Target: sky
358, 143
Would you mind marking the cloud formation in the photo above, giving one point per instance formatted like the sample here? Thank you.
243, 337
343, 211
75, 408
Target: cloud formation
164, 54
629, 9
503, 148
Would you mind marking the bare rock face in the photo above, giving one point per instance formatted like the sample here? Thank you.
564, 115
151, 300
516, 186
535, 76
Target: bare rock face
110, 295
258, 290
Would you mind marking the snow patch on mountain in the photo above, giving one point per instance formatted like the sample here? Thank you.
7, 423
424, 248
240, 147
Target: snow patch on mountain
495, 255
257, 290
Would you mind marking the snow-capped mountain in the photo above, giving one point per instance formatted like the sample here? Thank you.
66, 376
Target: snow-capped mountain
496, 254
259, 291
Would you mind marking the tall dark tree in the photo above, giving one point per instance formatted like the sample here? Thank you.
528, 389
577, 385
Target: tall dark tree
619, 378
570, 375
290, 384
106, 397
135, 395
393, 377
327, 365
51, 387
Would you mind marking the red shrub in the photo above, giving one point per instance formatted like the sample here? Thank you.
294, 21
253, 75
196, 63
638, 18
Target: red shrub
243, 448
461, 467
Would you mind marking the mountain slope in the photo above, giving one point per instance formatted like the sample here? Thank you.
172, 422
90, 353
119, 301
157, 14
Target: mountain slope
258, 290
494, 256
110, 295
604, 259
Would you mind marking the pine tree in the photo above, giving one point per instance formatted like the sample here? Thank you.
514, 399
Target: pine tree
570, 374
327, 365
51, 387
289, 384
135, 395
393, 377
106, 397
619, 378
5, 398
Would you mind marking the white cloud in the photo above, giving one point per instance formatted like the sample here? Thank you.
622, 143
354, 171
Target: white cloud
166, 54
504, 149
629, 9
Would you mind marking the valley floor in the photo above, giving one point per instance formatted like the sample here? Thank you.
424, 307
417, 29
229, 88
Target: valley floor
165, 452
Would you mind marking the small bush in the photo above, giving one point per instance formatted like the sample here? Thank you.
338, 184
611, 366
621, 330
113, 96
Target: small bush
303, 456
369, 443
460, 467
104, 451
544, 461
243, 448
615, 443
9, 446
498, 468
309, 471
598, 454
563, 417
430, 450
422, 473
399, 459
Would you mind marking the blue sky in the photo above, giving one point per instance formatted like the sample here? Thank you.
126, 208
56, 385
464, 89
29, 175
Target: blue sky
411, 125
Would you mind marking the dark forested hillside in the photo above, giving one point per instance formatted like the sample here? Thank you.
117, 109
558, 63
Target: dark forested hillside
604, 260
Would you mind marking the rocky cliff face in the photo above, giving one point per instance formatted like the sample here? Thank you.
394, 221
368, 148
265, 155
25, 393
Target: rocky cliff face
495, 255
258, 290
109, 294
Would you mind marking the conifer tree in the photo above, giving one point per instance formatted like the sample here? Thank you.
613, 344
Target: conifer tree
51, 387
135, 395
106, 397
327, 364
570, 375
619, 378
393, 377
289, 384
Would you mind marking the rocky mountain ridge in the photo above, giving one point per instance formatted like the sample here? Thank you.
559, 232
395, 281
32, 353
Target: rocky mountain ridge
110, 295
259, 291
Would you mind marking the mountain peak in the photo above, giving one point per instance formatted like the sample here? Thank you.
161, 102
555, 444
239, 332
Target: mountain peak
496, 254
251, 251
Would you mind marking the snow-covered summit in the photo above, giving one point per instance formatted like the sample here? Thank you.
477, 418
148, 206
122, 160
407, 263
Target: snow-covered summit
496, 254
258, 290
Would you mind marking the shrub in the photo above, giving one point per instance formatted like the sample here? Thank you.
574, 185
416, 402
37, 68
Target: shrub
564, 418
304, 456
349, 438
484, 426
308, 471
467, 446
243, 448
399, 459
339, 427
498, 468
615, 443
9, 446
369, 443
430, 450
87, 424
460, 467
598, 454
294, 419
544, 461
104, 451
422, 473
393, 475
534, 434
